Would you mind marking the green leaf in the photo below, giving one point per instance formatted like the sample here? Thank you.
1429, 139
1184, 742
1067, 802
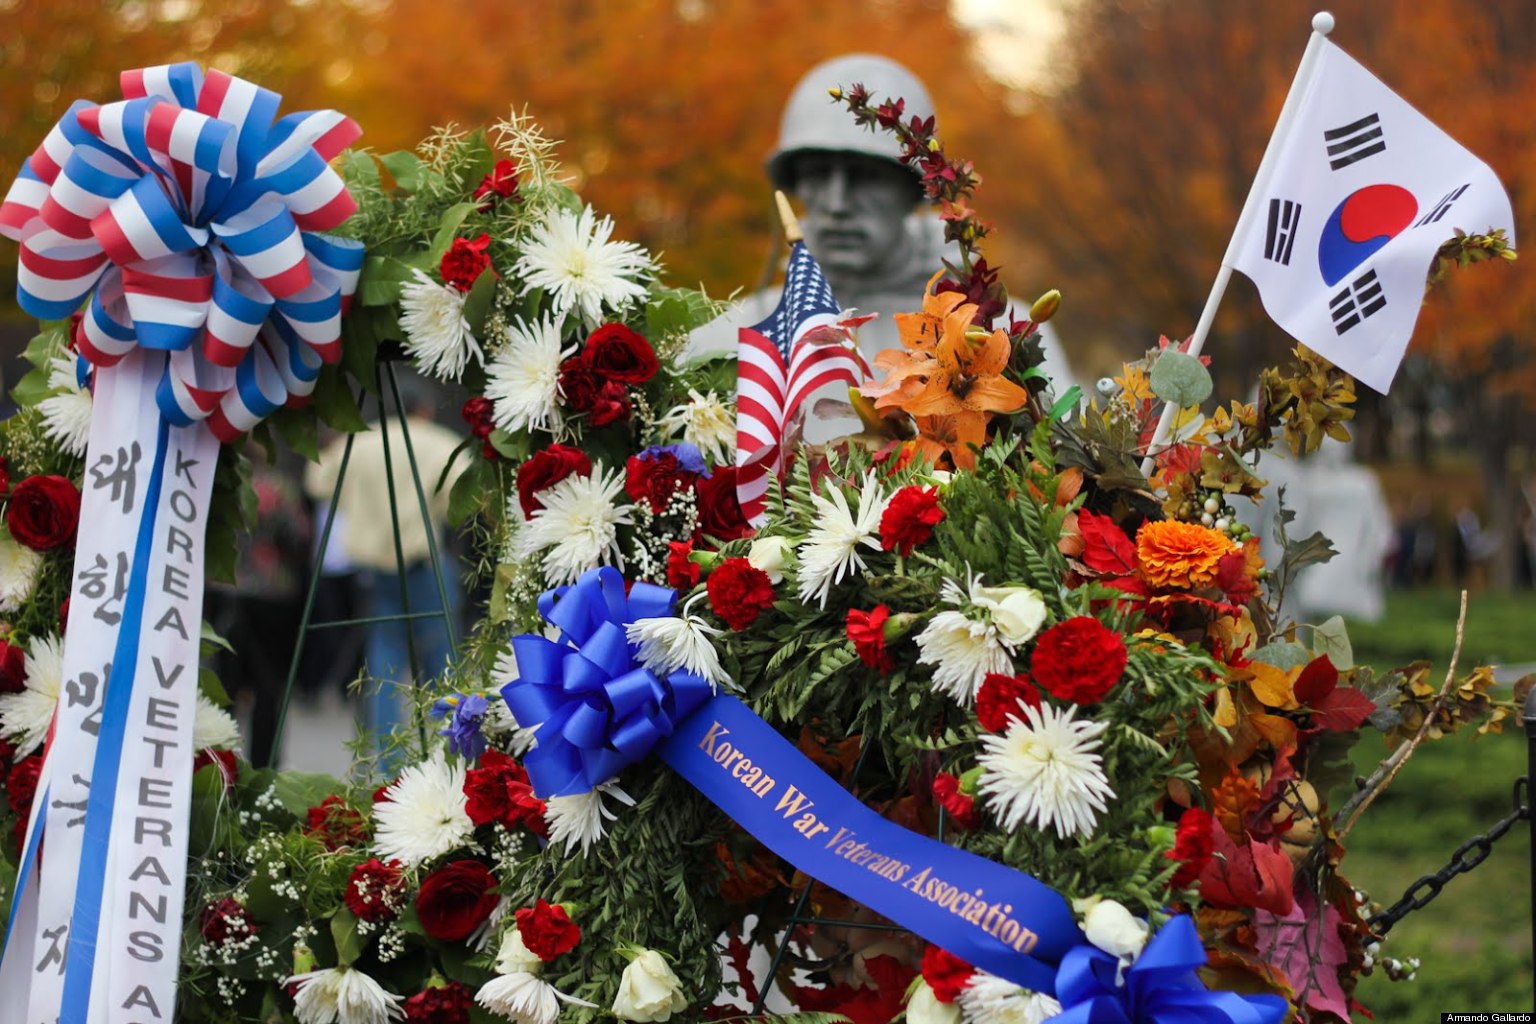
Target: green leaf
209, 686
361, 333
1282, 655
299, 791
335, 403
298, 430
405, 167
1332, 638
33, 386
469, 491
381, 279
453, 217
1180, 378
349, 945
480, 158
358, 168
677, 311
477, 304
1066, 403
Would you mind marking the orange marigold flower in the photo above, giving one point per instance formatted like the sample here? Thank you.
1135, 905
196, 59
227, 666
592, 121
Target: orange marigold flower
1182, 555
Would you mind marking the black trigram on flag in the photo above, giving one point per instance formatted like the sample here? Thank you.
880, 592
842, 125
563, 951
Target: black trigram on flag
1354, 142
1354, 303
1443, 207
1280, 233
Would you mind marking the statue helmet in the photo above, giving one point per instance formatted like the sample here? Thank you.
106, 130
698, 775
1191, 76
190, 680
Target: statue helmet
812, 121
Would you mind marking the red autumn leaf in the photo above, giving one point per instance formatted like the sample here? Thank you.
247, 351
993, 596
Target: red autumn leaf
1316, 681
1309, 950
1233, 578
1342, 710
1254, 875
1109, 550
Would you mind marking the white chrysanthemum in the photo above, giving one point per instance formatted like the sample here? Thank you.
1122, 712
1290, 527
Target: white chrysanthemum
1046, 770
571, 258
66, 412
523, 378
19, 567
706, 422
988, 999
436, 334
525, 999
341, 995
962, 650
424, 815
25, 716
578, 527
578, 820
831, 549
672, 642
213, 728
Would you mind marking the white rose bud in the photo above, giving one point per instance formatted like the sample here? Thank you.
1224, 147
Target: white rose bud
515, 956
649, 991
1114, 930
1017, 612
771, 555
924, 1008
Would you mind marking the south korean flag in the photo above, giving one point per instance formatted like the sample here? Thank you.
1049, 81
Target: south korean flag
1364, 190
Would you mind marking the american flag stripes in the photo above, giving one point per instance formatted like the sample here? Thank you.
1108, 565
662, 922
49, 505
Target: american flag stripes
780, 363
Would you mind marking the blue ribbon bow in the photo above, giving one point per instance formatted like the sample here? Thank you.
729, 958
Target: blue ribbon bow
597, 709
1161, 987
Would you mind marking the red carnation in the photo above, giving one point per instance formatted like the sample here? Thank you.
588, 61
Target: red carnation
336, 825
44, 512
653, 479
477, 413
64, 617
13, 667
465, 261
611, 405
961, 808
500, 183
547, 930
448, 1003
945, 973
618, 353
224, 921
578, 384
498, 791
1192, 846
998, 700
455, 900
739, 592
682, 571
376, 890
909, 519
545, 469
720, 514
866, 631
1078, 660
21, 784
224, 760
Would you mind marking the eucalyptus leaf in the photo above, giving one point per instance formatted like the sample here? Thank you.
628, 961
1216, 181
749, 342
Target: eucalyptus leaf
1282, 654
1332, 638
1180, 379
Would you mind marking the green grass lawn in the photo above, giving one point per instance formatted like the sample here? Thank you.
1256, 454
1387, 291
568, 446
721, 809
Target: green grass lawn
1421, 625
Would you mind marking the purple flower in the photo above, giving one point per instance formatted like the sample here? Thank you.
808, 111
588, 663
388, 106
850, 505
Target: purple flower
465, 713
689, 458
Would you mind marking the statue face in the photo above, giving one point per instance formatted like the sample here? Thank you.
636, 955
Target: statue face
854, 211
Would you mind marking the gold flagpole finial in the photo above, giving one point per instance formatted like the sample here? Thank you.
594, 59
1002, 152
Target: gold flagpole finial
792, 232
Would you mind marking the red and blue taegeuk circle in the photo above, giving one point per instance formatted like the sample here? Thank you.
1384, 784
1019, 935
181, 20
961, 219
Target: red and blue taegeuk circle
1366, 220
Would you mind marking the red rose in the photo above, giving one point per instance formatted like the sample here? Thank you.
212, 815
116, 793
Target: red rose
21, 784
224, 760
578, 384
1078, 660
866, 631
477, 413
655, 479
455, 899
224, 921
446, 1004
545, 469
612, 404
547, 930
1192, 846
13, 668
909, 519
961, 808
998, 700
682, 571
618, 353
499, 791
945, 973
739, 592
336, 825
64, 617
500, 183
376, 890
465, 261
5, 477
44, 512
720, 514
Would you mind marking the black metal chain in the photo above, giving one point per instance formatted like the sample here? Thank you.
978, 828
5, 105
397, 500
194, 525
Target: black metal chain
1467, 856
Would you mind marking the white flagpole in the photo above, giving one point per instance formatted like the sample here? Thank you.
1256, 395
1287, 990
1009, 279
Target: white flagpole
1322, 24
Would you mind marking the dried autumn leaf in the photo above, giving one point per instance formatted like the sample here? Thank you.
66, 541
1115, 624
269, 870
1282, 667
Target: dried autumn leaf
1271, 685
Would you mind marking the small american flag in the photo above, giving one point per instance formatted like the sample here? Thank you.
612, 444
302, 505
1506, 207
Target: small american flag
779, 364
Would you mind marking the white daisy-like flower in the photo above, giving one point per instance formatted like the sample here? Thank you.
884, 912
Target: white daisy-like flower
213, 728
578, 527
1046, 770
831, 549
19, 567
672, 642
436, 334
524, 998
570, 257
962, 649
424, 815
500, 724
578, 820
988, 999
706, 422
341, 995
66, 412
26, 716
523, 377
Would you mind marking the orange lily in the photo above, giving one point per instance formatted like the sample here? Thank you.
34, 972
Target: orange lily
920, 331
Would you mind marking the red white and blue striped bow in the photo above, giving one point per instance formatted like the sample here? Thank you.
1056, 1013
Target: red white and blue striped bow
192, 219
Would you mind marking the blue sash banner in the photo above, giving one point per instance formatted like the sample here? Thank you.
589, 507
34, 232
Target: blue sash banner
999, 919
